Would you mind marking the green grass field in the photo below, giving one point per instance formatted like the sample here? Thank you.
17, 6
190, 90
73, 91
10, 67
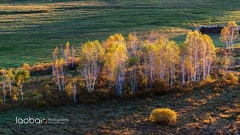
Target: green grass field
30, 30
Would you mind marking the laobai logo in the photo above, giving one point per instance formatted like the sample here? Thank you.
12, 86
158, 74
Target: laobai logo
30, 120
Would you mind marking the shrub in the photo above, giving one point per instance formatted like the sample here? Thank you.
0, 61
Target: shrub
69, 89
230, 78
207, 81
1, 102
164, 116
160, 85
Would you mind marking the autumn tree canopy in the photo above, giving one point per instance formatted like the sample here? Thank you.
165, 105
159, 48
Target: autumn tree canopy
229, 33
91, 57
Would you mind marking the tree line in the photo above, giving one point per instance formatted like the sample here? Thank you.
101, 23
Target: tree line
157, 58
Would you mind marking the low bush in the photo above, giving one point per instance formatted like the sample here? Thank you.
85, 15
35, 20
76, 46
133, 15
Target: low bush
1, 102
160, 85
230, 79
164, 116
207, 82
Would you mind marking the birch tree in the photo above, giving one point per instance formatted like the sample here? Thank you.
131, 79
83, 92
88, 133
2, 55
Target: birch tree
172, 57
193, 42
149, 62
67, 53
73, 55
4, 74
161, 58
55, 57
10, 77
71, 89
74, 90
229, 33
115, 58
183, 63
209, 55
133, 61
59, 73
91, 56
21, 76
199, 55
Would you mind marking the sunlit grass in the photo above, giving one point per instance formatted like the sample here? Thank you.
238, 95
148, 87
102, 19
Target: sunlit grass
41, 26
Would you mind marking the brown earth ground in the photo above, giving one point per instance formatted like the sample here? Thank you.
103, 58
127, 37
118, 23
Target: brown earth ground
201, 111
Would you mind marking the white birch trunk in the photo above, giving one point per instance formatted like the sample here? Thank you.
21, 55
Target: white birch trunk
10, 87
73, 56
74, 93
21, 90
4, 89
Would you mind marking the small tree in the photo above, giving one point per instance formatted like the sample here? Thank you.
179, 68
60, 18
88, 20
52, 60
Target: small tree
10, 77
67, 52
4, 74
229, 33
21, 76
71, 89
55, 57
26, 66
73, 56
59, 73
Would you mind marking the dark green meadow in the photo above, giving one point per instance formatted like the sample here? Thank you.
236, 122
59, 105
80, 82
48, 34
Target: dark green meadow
30, 30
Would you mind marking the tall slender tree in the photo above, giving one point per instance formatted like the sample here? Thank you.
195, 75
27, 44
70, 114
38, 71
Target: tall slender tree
91, 57
73, 56
59, 73
199, 55
172, 57
149, 62
208, 55
10, 77
21, 76
115, 58
55, 57
67, 53
133, 61
4, 74
193, 42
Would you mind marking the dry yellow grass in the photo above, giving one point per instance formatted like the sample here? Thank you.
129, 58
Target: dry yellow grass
47, 7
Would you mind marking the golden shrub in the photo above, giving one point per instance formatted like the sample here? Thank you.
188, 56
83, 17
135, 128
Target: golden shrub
230, 78
164, 116
208, 80
69, 89
15, 98
1, 102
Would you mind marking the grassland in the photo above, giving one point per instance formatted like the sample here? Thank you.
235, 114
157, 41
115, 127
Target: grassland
29, 30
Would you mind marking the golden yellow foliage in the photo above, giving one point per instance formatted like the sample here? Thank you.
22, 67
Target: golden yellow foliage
164, 116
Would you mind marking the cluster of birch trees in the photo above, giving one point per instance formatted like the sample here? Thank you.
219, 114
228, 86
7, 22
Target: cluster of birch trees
8, 76
157, 57
128, 61
120, 60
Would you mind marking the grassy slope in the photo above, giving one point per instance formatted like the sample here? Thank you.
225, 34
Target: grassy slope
29, 33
